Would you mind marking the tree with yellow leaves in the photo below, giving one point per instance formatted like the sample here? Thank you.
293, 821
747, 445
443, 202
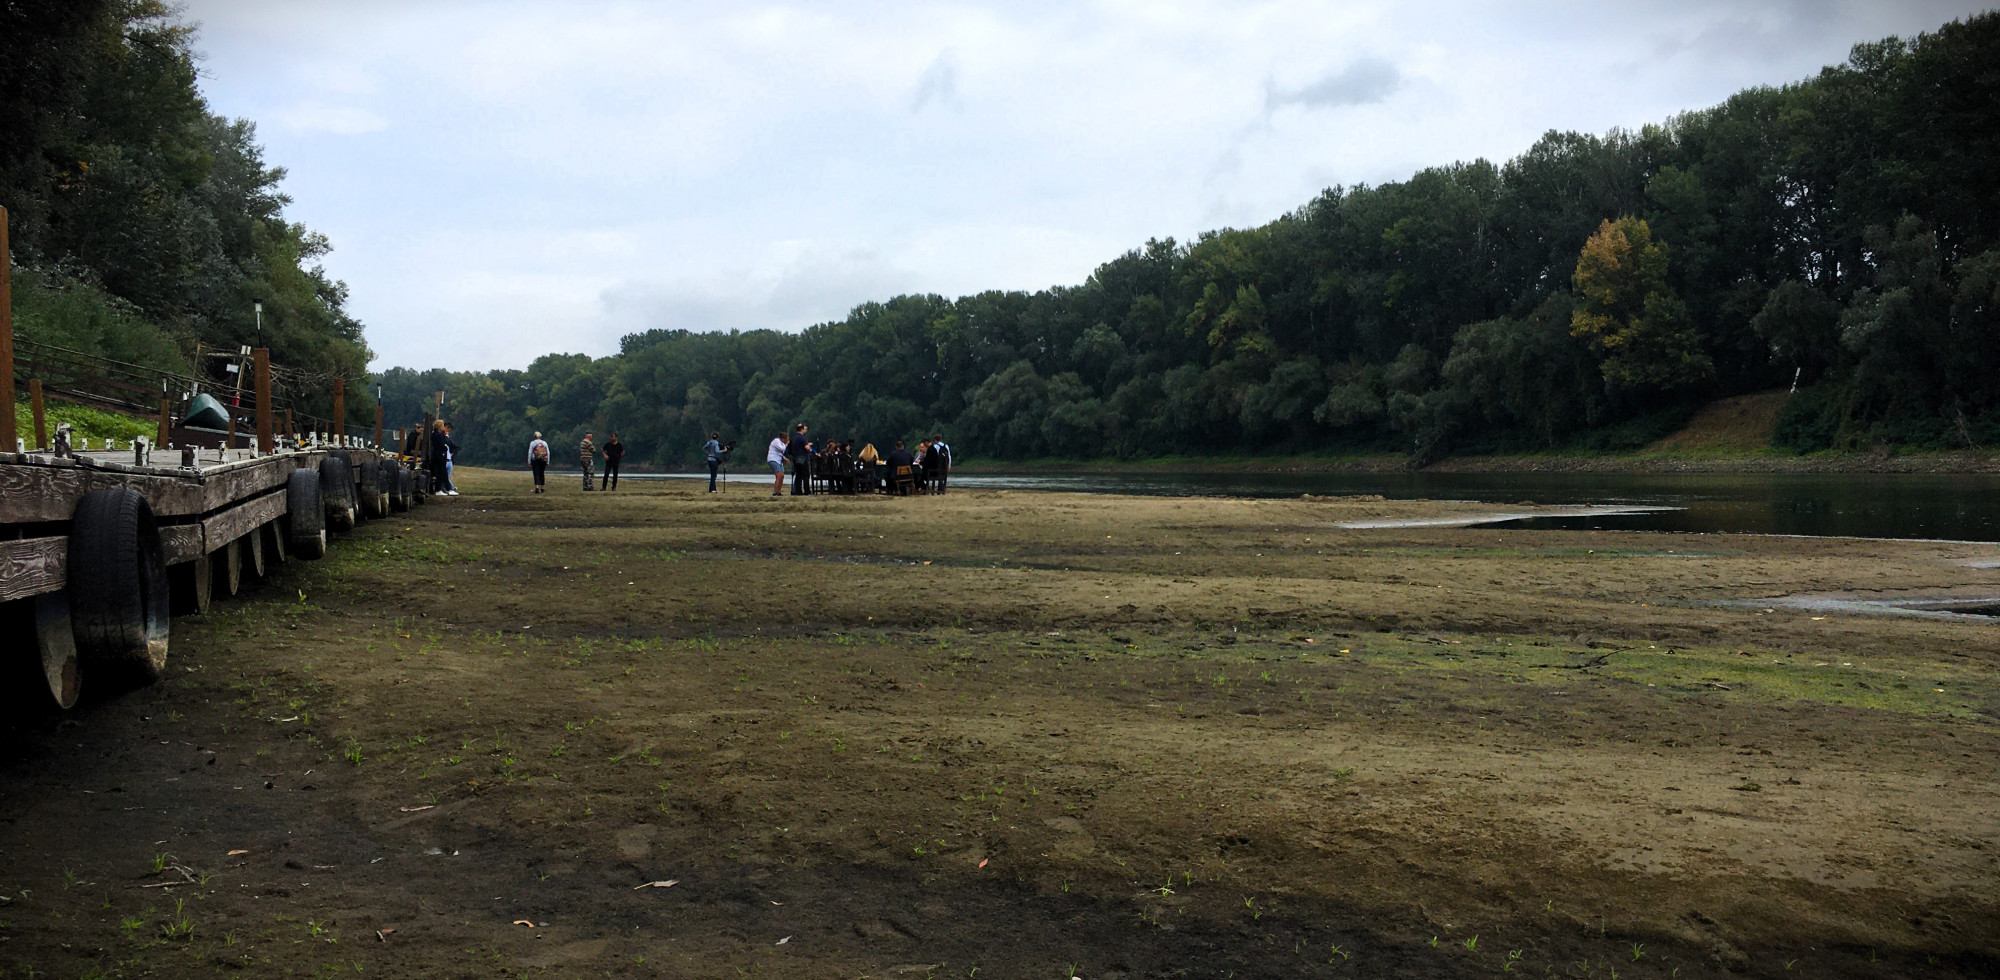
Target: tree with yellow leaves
1628, 314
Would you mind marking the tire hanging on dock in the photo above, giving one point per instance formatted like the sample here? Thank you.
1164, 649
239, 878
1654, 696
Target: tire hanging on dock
117, 589
336, 488
399, 501
305, 515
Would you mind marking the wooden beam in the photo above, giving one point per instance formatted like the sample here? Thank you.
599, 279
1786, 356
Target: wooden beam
32, 566
339, 409
264, 443
166, 425
241, 520
41, 420
378, 425
7, 434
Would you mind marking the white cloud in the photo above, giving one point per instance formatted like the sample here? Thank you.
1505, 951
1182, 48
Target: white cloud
501, 179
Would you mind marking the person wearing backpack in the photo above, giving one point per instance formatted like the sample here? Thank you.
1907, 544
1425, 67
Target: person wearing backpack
940, 468
538, 460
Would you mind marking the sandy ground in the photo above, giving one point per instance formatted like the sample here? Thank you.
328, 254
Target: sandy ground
1026, 735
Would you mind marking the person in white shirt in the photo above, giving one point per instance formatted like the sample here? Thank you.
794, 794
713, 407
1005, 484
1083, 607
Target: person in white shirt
538, 460
776, 457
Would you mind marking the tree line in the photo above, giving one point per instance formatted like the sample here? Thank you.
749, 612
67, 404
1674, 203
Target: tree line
1837, 233
142, 223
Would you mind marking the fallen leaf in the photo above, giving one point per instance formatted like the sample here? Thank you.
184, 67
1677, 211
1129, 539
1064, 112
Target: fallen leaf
669, 883
783, 941
413, 809
982, 862
524, 922
236, 852
383, 934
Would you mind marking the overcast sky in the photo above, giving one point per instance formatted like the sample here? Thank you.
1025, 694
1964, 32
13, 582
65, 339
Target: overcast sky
502, 180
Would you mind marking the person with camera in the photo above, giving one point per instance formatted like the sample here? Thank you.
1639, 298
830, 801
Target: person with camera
715, 451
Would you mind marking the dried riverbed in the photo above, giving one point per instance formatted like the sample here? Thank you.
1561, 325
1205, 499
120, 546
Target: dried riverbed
1027, 735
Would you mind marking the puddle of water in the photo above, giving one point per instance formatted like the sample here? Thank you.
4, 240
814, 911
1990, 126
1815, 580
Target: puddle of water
1985, 607
1470, 520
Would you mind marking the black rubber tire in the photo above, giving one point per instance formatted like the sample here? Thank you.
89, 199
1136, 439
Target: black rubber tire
375, 491
118, 590
400, 500
336, 490
340, 454
305, 517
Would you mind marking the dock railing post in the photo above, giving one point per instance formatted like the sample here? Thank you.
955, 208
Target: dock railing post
7, 434
378, 426
339, 410
35, 406
263, 369
166, 423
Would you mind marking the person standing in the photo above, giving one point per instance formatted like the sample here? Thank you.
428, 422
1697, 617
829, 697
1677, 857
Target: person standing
775, 455
712, 449
434, 458
586, 454
538, 460
614, 457
450, 451
941, 453
800, 451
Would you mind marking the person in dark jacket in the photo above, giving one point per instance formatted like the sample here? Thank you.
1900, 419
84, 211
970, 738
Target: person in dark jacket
614, 455
434, 458
799, 451
940, 468
902, 468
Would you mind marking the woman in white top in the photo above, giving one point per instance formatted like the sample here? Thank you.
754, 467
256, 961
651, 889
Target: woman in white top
776, 457
538, 460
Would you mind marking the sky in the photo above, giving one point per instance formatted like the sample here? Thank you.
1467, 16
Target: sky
502, 180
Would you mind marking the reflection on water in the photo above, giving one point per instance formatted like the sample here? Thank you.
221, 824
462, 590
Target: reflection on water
1949, 506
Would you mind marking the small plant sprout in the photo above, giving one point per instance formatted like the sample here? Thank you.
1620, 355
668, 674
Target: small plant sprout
180, 928
1472, 945
1638, 952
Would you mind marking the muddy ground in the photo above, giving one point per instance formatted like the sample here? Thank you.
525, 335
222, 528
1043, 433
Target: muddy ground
1025, 735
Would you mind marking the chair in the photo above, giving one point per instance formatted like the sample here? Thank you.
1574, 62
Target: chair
902, 481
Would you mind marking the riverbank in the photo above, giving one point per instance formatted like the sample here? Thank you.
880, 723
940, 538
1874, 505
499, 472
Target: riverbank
1029, 735
1756, 461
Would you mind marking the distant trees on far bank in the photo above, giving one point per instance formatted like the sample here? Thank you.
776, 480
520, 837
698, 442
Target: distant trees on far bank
1589, 293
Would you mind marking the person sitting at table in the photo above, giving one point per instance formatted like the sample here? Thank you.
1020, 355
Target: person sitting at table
871, 464
902, 469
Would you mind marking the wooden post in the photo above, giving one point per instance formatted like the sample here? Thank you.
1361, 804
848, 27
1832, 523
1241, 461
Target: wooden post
7, 434
339, 408
378, 425
291, 431
263, 369
41, 420
230, 442
166, 424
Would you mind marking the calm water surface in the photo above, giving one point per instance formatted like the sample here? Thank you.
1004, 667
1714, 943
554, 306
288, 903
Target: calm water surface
1963, 507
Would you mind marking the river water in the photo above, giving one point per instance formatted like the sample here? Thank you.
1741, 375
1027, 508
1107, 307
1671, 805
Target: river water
1964, 507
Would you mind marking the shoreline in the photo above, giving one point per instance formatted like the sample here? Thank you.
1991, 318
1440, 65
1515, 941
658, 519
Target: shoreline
1883, 462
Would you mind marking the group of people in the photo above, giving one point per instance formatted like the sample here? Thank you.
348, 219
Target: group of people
587, 452
836, 466
816, 467
438, 453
